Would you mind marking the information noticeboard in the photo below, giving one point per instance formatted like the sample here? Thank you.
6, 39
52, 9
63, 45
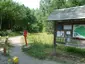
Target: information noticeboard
79, 31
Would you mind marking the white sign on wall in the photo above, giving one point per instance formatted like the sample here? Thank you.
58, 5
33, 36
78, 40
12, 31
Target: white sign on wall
67, 27
60, 33
68, 32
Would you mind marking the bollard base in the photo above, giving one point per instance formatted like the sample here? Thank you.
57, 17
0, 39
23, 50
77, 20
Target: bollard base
26, 47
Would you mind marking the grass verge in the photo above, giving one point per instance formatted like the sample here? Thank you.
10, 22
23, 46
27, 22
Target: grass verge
42, 50
39, 50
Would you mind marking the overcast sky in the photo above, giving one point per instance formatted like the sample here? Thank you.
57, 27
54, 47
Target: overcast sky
30, 3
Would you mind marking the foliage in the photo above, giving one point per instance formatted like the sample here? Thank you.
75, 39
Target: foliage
41, 37
39, 50
11, 34
43, 51
48, 6
17, 28
14, 14
72, 50
3, 33
41, 47
75, 50
6, 33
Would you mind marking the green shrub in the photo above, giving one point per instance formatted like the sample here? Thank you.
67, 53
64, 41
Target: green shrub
17, 28
3, 33
72, 50
14, 34
75, 50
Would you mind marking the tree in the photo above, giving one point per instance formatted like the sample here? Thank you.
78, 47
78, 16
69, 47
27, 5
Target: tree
40, 20
48, 6
14, 16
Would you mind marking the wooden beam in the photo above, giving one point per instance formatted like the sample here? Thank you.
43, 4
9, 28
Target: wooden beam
55, 28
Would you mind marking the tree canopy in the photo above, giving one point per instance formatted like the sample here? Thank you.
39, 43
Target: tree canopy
47, 6
16, 16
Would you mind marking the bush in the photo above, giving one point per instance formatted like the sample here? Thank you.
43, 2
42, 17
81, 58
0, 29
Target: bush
75, 50
3, 33
6, 33
14, 34
17, 28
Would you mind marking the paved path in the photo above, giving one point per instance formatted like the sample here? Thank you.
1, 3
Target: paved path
23, 58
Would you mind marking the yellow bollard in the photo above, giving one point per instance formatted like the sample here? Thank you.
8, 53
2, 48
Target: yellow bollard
15, 60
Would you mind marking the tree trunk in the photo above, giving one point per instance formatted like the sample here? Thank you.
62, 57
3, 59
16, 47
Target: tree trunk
1, 23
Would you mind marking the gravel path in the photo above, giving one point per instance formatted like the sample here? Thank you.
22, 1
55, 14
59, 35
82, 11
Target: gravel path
3, 59
23, 58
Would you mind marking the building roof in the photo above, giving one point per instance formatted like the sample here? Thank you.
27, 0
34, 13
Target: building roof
77, 12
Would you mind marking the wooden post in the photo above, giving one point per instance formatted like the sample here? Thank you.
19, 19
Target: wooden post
25, 37
5, 46
55, 28
1, 23
4, 50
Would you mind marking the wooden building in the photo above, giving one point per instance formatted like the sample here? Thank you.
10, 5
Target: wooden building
69, 25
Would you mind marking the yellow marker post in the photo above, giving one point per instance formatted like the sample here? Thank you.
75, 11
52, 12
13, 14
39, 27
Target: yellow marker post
15, 60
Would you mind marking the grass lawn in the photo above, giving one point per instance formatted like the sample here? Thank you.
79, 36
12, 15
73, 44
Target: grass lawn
42, 48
